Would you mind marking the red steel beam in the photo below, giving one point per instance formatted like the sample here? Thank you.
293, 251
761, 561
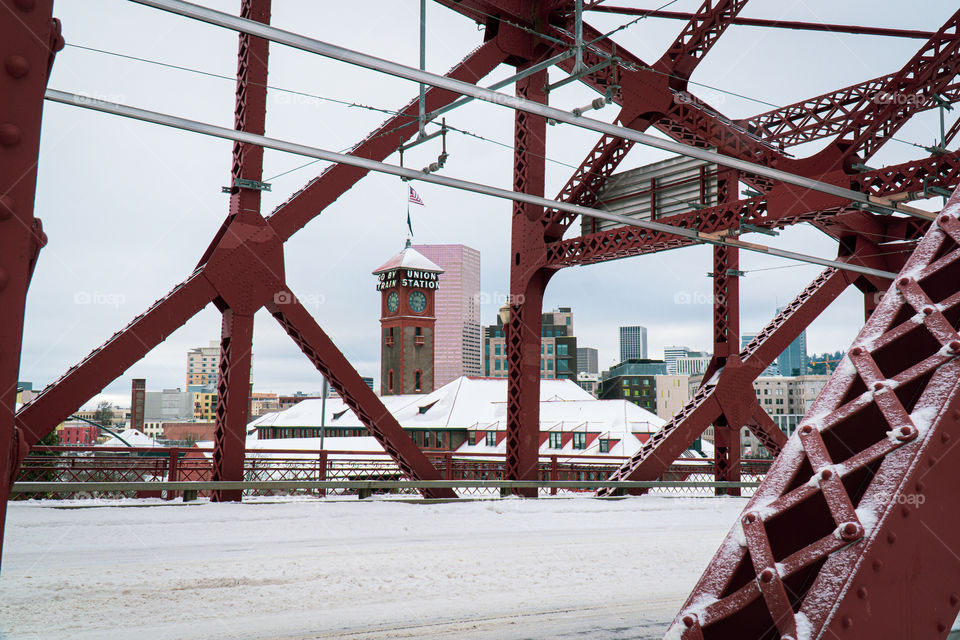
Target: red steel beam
331, 363
29, 39
929, 72
730, 391
856, 517
527, 283
236, 336
698, 36
778, 24
826, 115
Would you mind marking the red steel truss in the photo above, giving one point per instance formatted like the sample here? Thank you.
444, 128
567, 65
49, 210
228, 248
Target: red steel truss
826, 537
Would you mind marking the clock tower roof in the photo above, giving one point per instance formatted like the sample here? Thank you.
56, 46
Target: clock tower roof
409, 258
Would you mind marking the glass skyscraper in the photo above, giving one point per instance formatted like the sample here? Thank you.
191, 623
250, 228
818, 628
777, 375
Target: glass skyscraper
456, 335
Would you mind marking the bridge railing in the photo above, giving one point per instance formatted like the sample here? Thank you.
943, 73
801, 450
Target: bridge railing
94, 472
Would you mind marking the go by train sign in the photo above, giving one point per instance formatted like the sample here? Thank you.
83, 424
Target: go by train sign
413, 278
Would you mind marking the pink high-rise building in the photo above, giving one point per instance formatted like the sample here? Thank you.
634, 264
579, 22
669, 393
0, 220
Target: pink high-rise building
457, 340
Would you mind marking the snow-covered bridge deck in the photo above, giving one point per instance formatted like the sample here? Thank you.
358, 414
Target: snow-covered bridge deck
558, 568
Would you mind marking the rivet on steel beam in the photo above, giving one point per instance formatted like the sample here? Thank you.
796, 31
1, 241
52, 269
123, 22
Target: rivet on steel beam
954, 347
905, 281
944, 437
851, 531
10, 134
877, 565
906, 433
856, 351
7, 207
954, 599
16, 66
826, 474
928, 311
806, 430
689, 620
878, 386
920, 487
891, 537
25, 5
847, 622
905, 511
767, 575
941, 627
862, 592
931, 461
750, 518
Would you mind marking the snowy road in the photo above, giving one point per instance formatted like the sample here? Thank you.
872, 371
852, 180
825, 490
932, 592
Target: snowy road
550, 568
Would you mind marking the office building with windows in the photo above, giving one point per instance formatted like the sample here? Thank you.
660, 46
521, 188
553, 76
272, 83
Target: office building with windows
558, 346
633, 342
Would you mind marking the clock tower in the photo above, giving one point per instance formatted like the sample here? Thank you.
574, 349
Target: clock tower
407, 283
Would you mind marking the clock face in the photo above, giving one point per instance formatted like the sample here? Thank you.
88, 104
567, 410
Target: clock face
393, 301
418, 302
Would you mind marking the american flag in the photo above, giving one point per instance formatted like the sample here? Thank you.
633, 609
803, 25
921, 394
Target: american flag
415, 197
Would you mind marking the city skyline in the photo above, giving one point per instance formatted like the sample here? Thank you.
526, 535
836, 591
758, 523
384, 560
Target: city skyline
104, 292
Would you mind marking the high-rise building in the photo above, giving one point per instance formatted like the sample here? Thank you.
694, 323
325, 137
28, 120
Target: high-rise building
558, 346
794, 361
456, 335
633, 343
587, 360
407, 283
203, 367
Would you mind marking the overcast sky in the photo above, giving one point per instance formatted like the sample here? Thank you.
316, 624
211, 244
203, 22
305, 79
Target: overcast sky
129, 207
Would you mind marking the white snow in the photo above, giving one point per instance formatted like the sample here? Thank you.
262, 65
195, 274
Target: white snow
558, 568
133, 437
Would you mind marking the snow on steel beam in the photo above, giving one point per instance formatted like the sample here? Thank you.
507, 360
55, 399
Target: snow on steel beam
411, 174
416, 75
854, 529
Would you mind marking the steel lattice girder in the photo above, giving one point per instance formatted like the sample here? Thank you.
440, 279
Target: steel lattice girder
856, 518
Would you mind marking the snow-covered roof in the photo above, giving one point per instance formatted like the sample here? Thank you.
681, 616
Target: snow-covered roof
463, 403
366, 447
133, 437
409, 258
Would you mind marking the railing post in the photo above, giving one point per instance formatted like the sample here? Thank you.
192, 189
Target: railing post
173, 471
448, 465
554, 473
322, 473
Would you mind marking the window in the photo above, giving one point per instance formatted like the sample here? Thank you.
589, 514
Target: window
562, 349
491, 440
390, 380
471, 438
562, 365
549, 349
497, 349
496, 365
556, 440
646, 382
579, 440
604, 446
438, 439
418, 331
418, 380
550, 365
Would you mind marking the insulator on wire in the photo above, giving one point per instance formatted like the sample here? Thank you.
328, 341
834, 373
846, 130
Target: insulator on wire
596, 103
